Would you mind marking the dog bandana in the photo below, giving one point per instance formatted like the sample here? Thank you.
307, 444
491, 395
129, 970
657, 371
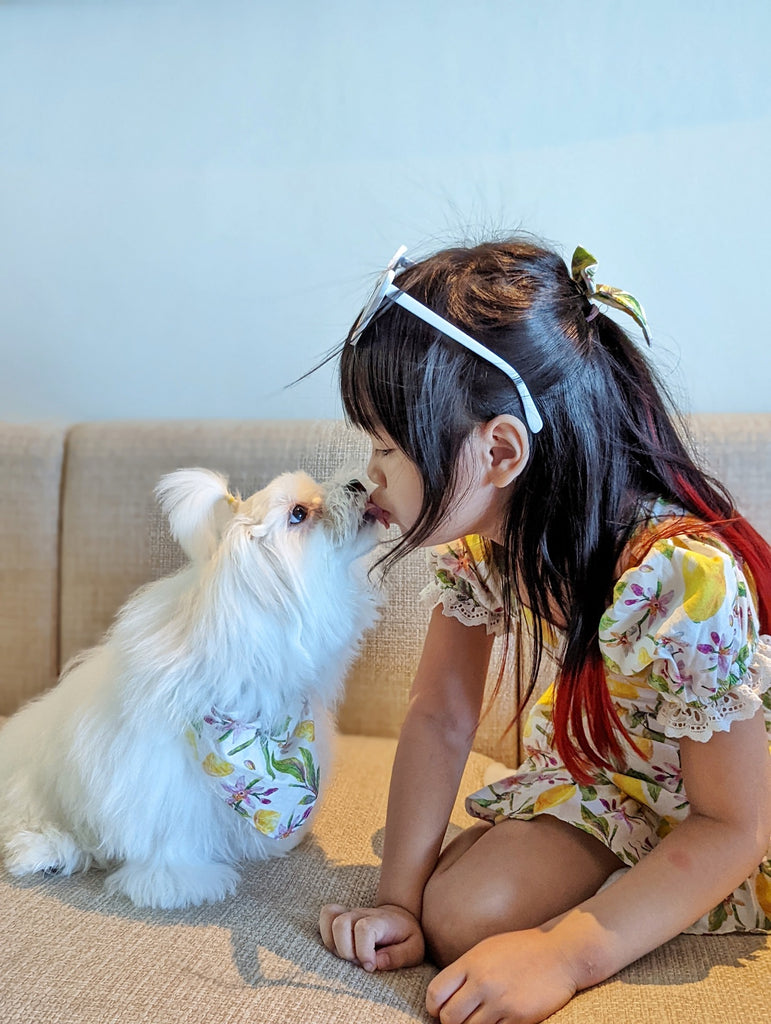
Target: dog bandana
268, 772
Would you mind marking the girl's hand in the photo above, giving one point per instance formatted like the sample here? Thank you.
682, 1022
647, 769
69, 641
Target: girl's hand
375, 938
513, 978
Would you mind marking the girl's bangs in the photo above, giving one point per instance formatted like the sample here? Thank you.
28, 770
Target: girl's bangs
379, 379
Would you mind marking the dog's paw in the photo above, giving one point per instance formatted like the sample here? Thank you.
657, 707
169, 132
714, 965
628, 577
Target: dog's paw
172, 886
50, 851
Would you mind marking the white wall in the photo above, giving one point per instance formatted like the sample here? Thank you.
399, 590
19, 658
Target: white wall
195, 195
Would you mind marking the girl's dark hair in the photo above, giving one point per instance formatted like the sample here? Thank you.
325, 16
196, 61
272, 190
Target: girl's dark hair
608, 442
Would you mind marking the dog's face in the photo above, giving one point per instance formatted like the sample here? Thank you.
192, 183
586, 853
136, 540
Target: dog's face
294, 527
293, 509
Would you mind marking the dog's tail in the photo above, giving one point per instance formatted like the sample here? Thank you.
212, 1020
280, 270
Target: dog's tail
197, 503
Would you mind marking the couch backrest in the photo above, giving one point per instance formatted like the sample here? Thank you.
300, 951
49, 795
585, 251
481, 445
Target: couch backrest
31, 459
112, 539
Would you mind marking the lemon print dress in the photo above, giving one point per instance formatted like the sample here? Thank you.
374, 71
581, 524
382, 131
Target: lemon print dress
683, 657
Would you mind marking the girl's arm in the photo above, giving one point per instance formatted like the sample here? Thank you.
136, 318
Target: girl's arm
434, 744
725, 836
525, 976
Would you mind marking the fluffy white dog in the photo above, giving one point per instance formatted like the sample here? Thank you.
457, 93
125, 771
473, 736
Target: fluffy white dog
197, 734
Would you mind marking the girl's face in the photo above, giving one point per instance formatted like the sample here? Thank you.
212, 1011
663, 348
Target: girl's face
399, 492
398, 484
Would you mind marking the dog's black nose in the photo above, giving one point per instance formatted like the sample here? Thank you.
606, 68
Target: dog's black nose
356, 486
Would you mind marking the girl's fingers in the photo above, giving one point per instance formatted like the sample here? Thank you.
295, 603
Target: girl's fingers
342, 925
368, 931
371, 937
443, 987
327, 918
401, 954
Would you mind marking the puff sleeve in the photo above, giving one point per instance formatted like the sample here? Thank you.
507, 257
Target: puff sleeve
464, 586
684, 624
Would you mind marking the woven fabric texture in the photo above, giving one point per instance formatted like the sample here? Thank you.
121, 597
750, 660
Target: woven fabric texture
69, 954
30, 482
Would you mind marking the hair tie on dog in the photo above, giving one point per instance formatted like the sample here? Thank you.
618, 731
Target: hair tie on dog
582, 268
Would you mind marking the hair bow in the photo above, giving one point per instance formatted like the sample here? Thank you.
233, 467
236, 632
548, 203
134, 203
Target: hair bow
582, 270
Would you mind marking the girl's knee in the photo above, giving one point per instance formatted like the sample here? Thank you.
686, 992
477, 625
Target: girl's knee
440, 920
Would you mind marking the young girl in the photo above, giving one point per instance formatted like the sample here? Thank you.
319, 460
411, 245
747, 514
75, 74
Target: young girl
506, 409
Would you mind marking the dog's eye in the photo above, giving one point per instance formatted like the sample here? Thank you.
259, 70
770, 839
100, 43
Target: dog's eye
298, 514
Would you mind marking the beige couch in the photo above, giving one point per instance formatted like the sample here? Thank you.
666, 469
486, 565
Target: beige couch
78, 532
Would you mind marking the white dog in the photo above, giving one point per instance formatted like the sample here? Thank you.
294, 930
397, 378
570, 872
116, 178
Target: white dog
197, 733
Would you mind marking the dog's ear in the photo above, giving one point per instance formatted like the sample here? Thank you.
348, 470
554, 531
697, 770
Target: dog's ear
198, 505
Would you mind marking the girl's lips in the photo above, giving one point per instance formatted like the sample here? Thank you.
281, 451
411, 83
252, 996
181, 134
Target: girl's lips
373, 511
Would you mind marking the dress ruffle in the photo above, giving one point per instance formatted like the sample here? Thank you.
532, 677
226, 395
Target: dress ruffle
736, 705
470, 613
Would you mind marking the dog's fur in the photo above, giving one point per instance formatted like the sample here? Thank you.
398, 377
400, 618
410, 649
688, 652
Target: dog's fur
98, 770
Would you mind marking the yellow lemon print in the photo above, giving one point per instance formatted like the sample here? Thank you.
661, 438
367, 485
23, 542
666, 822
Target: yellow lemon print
305, 731
704, 586
552, 797
643, 658
620, 688
645, 746
547, 697
192, 739
632, 787
763, 893
266, 821
476, 546
214, 765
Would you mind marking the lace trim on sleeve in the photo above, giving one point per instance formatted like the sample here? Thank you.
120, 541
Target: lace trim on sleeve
464, 610
699, 722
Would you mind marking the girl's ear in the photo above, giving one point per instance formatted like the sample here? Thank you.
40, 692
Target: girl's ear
199, 505
506, 449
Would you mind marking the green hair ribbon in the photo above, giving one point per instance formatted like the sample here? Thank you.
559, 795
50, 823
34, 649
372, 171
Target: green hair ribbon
583, 266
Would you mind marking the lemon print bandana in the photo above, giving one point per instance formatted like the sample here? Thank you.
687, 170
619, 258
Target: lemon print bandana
268, 772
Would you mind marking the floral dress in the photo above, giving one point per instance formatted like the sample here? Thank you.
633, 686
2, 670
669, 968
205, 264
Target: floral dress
683, 657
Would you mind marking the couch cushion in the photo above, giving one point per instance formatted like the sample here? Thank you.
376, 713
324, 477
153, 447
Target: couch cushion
71, 954
30, 471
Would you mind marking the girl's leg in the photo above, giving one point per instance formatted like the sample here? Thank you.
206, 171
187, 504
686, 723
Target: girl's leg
506, 877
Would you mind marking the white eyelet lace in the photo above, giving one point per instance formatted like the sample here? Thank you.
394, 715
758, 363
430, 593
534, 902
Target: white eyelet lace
699, 722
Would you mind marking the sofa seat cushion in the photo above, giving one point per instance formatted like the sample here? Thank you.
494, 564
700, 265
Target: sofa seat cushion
69, 953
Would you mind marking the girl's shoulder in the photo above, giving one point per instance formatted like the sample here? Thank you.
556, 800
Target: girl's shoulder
666, 538
682, 618
673, 558
464, 582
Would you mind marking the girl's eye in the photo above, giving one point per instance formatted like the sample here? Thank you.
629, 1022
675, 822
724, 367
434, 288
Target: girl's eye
298, 514
382, 452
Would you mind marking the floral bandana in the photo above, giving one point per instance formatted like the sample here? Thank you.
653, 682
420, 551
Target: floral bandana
267, 772
583, 266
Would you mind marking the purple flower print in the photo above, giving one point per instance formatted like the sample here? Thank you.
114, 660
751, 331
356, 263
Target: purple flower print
622, 640
665, 773
459, 564
617, 811
229, 726
541, 758
723, 649
285, 830
244, 794
654, 604
680, 672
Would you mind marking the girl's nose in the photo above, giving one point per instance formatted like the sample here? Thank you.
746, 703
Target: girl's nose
374, 473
